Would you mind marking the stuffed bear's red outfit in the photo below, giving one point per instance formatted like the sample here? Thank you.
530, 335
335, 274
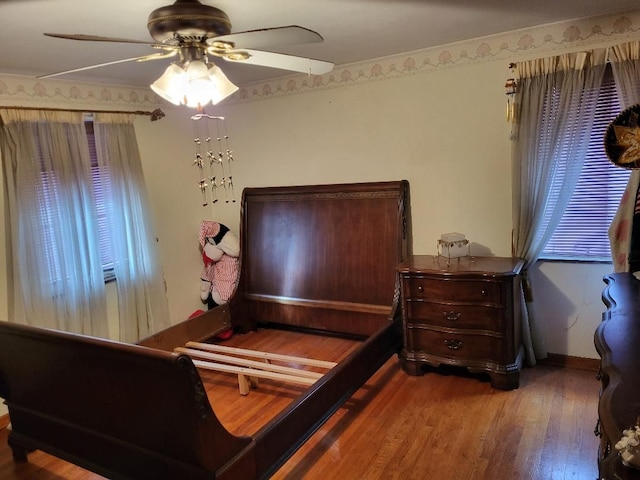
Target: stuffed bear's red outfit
220, 252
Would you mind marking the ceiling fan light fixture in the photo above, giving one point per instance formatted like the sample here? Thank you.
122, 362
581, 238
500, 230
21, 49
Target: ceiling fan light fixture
196, 94
170, 85
223, 87
197, 70
195, 85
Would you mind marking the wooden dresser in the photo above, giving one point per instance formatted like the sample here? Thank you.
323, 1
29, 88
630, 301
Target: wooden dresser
617, 340
463, 312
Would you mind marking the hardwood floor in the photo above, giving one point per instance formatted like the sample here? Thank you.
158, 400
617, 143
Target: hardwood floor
440, 426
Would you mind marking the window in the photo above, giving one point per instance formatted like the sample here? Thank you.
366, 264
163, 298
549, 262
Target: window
50, 199
78, 210
582, 231
104, 206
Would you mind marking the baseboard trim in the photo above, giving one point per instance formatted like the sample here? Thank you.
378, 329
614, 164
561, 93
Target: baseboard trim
566, 361
4, 421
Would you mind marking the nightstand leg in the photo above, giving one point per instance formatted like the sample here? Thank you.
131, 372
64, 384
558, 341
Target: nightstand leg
411, 367
19, 452
505, 381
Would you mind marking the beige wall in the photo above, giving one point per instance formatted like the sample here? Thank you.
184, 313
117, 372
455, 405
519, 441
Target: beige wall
380, 130
433, 117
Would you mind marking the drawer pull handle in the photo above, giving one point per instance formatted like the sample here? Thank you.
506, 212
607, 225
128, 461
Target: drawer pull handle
420, 288
453, 344
483, 293
452, 316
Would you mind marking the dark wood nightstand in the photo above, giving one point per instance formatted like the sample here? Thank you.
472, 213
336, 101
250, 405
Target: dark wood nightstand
464, 312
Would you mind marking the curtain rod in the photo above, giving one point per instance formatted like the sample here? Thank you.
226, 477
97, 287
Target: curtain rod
156, 114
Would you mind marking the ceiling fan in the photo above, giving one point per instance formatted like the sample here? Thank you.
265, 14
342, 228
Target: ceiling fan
194, 31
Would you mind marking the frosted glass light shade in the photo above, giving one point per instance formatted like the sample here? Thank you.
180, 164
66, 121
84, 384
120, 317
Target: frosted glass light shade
170, 85
223, 87
196, 89
194, 86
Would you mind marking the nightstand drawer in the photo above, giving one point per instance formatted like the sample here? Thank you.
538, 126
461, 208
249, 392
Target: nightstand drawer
455, 316
454, 290
460, 345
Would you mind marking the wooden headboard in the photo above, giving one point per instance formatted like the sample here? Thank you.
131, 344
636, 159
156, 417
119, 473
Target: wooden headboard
323, 257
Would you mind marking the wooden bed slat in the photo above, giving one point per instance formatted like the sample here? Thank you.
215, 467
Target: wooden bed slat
243, 362
253, 372
212, 347
248, 376
249, 371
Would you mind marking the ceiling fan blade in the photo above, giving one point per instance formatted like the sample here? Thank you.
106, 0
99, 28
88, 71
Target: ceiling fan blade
93, 38
268, 37
280, 60
157, 56
144, 58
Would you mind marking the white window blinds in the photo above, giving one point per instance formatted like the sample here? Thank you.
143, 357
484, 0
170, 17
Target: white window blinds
582, 231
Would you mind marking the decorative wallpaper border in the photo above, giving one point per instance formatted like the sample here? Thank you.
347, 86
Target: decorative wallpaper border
26, 91
512, 46
517, 45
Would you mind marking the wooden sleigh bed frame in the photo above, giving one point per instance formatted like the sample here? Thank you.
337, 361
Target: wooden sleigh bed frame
317, 258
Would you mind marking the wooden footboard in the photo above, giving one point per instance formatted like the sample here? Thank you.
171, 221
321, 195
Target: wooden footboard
123, 411
103, 405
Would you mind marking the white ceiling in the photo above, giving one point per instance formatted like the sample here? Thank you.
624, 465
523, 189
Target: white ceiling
353, 30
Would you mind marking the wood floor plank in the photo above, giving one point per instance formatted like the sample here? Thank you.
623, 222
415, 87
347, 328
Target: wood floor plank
445, 425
